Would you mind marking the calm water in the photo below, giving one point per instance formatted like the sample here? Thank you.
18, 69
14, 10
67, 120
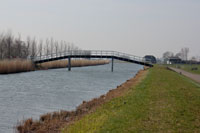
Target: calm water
31, 94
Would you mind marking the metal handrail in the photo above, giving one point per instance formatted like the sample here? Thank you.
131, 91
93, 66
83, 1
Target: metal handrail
89, 52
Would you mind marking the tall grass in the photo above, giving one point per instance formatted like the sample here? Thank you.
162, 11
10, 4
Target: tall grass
19, 65
15, 66
74, 63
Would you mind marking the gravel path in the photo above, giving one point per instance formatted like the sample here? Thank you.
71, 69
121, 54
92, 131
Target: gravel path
195, 77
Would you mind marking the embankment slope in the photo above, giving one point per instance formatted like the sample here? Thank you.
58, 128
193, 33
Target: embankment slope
54, 122
163, 102
157, 100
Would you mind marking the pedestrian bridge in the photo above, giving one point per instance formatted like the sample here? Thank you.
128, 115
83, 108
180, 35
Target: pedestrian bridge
97, 54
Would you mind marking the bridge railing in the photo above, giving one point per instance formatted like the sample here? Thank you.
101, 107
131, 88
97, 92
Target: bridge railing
89, 53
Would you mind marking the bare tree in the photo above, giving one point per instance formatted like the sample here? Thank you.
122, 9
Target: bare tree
184, 53
56, 47
9, 41
51, 46
198, 58
33, 48
28, 44
40, 49
1, 46
18, 43
168, 54
61, 47
11, 47
47, 47
66, 47
23, 50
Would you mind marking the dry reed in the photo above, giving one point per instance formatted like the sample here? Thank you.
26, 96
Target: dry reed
19, 65
15, 66
74, 63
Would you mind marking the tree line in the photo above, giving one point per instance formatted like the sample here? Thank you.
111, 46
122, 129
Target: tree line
14, 47
183, 54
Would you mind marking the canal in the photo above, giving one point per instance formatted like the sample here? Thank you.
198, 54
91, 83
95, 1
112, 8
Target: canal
32, 94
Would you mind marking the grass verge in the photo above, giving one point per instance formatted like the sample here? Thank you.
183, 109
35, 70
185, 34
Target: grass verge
163, 102
192, 68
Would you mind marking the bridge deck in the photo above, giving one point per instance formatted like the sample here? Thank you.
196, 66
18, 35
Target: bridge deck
92, 54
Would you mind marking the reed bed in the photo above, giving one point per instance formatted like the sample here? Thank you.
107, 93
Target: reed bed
74, 63
15, 66
19, 65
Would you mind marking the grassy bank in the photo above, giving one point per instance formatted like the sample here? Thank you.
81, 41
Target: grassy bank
193, 68
18, 65
163, 102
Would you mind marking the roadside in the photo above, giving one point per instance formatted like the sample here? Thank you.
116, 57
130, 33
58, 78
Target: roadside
195, 77
192, 68
163, 102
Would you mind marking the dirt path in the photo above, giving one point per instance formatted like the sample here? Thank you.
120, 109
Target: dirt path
195, 77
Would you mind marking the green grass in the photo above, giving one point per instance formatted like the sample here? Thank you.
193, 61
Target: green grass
163, 102
188, 68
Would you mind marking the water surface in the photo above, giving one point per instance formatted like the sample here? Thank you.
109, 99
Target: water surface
32, 94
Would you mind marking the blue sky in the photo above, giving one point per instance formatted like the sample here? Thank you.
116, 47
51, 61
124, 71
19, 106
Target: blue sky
133, 26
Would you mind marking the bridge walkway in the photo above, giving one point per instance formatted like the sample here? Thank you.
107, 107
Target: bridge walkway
92, 54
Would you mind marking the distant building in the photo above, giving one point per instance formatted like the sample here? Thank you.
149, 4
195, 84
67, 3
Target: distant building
177, 60
150, 58
174, 60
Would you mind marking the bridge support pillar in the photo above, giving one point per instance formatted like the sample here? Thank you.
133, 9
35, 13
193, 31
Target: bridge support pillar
69, 63
112, 66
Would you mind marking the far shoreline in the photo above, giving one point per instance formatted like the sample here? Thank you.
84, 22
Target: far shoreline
20, 66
